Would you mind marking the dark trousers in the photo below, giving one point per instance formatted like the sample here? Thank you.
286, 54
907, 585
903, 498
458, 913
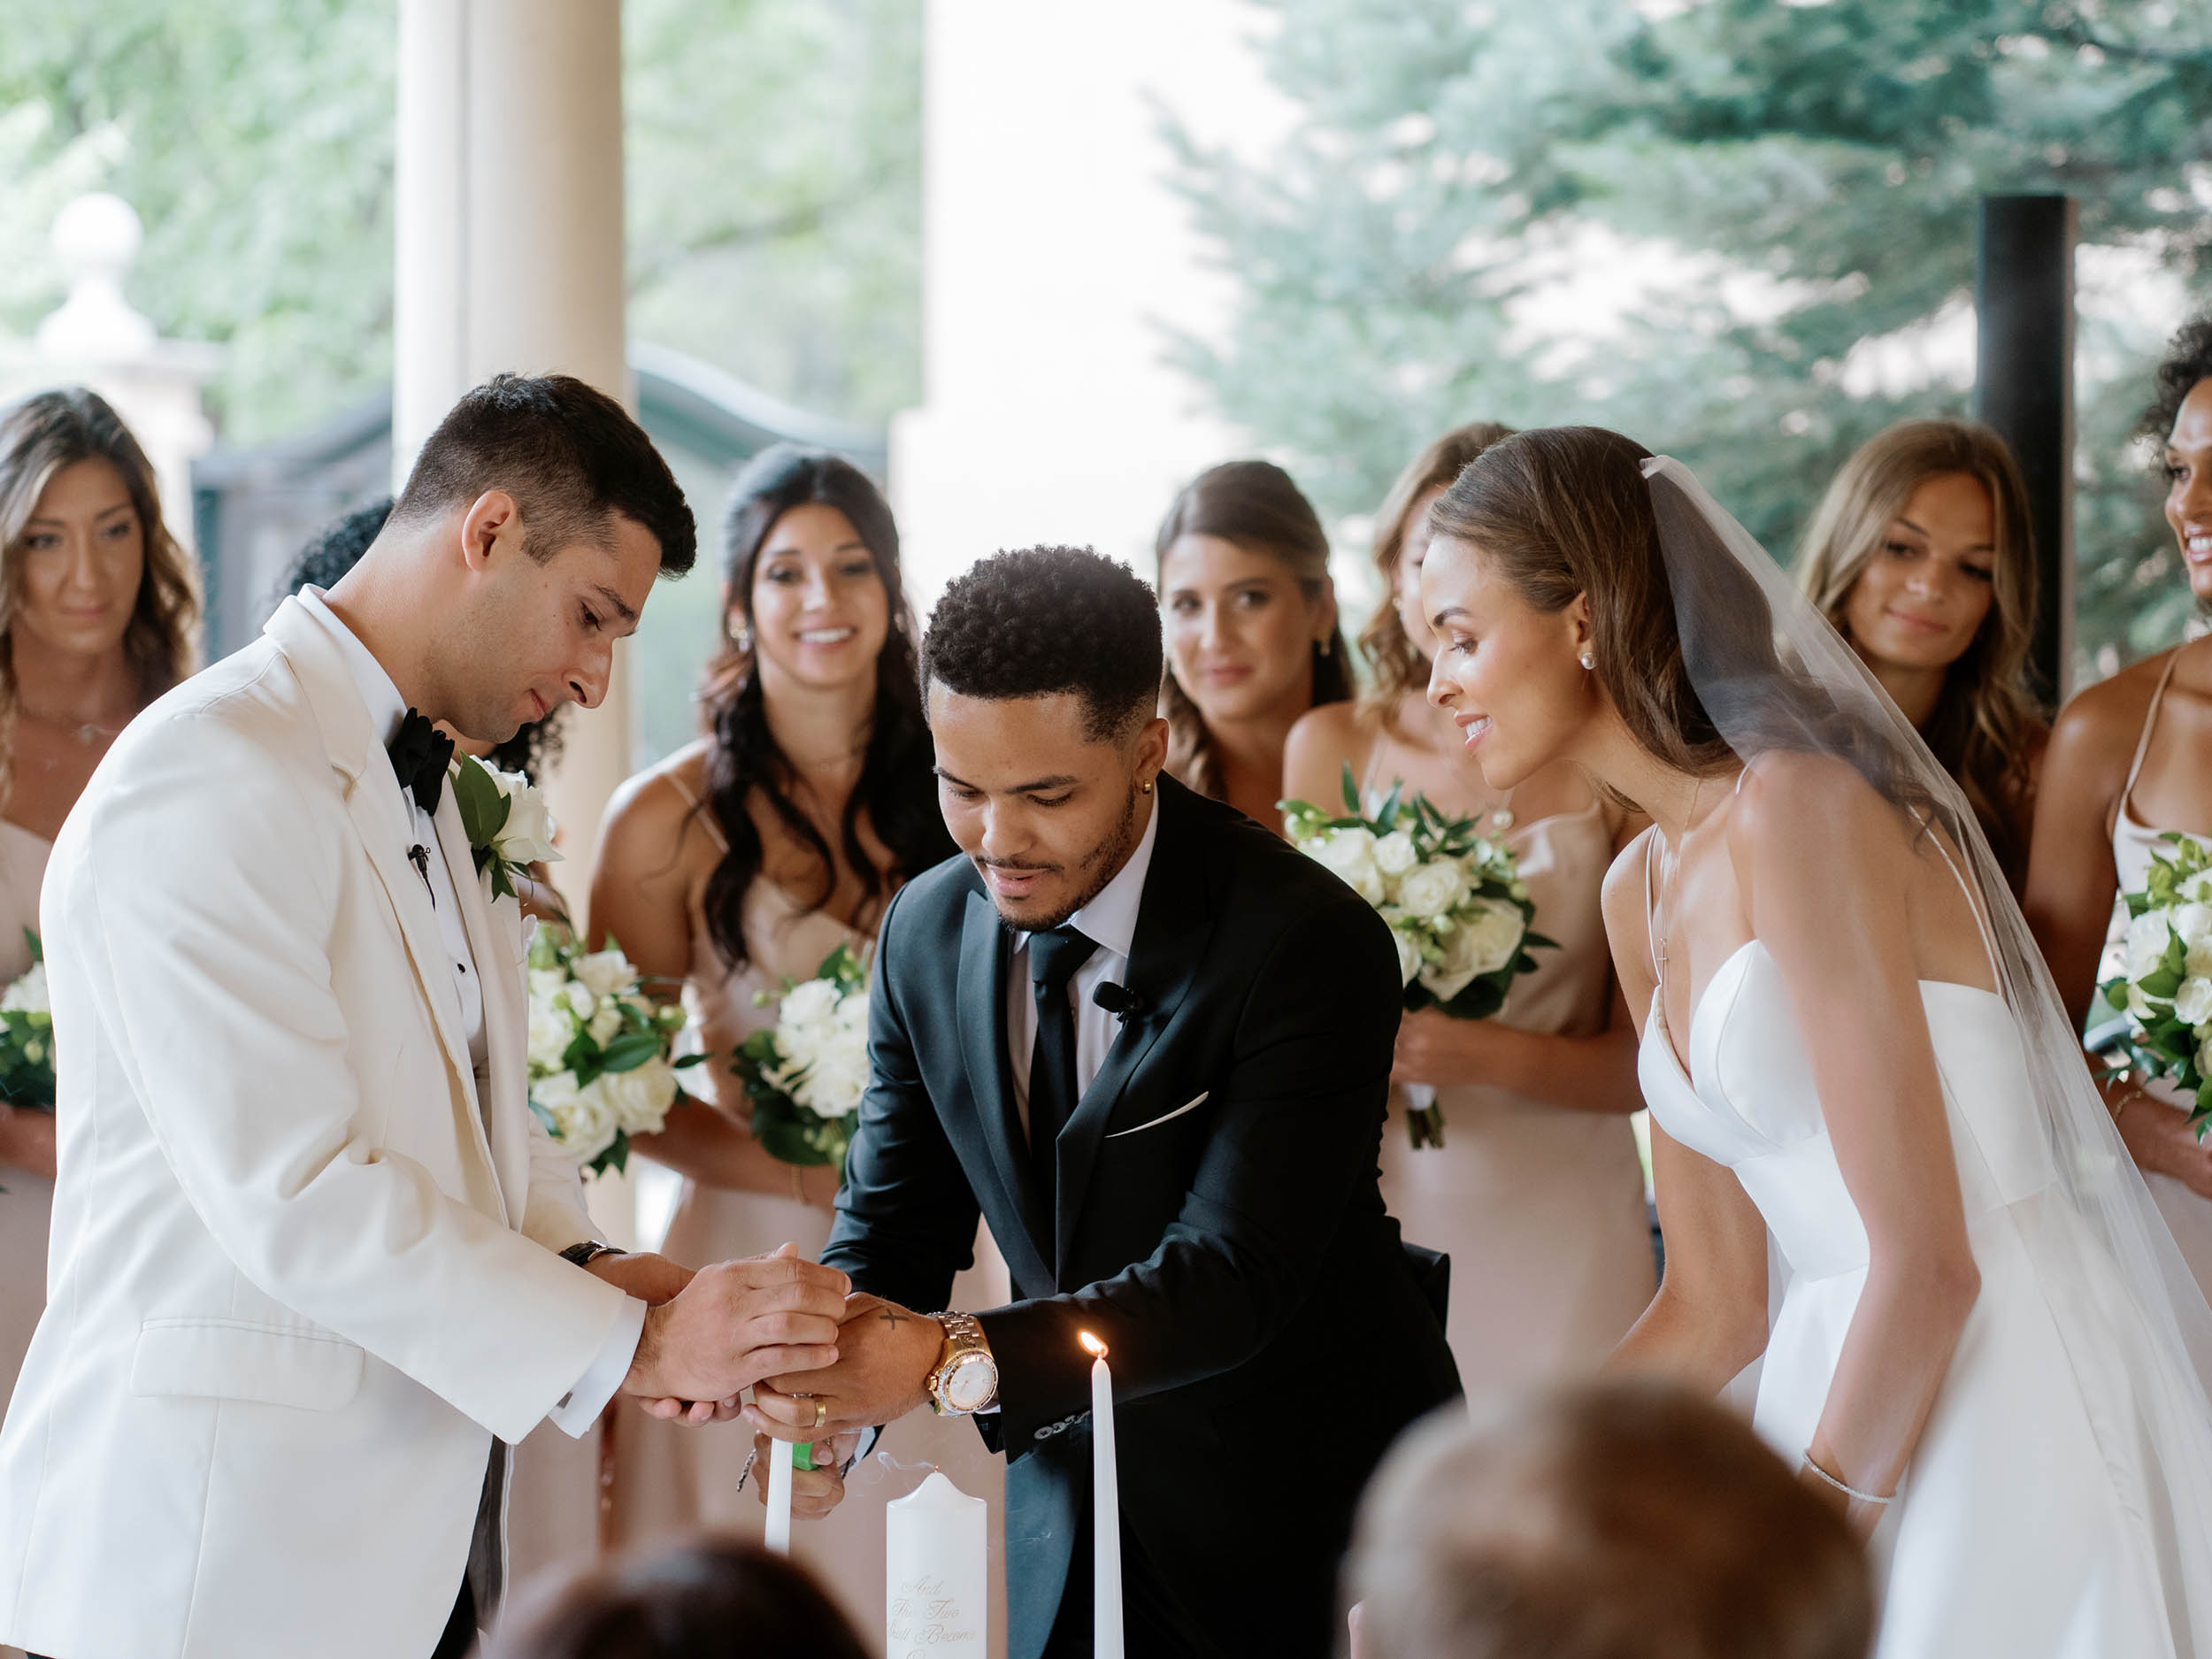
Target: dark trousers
1154, 1622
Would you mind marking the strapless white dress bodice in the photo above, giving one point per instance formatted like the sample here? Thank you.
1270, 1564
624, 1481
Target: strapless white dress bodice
2061, 1495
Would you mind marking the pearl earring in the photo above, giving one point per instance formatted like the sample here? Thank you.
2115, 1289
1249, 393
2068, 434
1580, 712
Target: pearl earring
1589, 659
1327, 645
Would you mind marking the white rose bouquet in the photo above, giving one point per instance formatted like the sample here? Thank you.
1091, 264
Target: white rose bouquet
2162, 973
806, 1073
600, 1070
1457, 907
26, 1037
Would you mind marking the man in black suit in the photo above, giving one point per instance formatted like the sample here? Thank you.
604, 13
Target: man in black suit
1149, 1042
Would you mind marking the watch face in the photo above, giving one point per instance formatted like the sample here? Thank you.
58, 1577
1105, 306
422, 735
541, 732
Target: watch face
971, 1383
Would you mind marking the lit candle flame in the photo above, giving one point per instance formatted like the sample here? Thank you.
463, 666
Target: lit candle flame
1092, 1346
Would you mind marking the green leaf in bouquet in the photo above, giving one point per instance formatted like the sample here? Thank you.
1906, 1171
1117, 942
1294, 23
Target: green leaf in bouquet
687, 1063
1386, 819
617, 1156
629, 1051
2162, 981
38, 951
1351, 791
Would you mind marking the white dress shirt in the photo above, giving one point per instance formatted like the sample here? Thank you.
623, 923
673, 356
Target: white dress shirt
387, 709
1111, 919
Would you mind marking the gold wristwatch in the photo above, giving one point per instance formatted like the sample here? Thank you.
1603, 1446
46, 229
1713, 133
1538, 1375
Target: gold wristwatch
966, 1378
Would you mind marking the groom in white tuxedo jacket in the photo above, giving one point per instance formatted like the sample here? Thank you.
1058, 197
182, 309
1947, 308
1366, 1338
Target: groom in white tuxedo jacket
308, 1268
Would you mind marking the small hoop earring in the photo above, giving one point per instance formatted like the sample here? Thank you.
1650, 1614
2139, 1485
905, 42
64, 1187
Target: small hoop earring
1589, 660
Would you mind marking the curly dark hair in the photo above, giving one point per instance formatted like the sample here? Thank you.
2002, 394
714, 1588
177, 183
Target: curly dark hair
336, 549
897, 790
1040, 620
2188, 361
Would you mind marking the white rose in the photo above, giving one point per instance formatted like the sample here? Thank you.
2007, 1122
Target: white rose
2147, 938
546, 983
1395, 853
1350, 854
550, 1034
582, 1117
1409, 945
2192, 923
606, 1022
28, 994
605, 972
577, 999
2204, 1058
2198, 962
1486, 939
1434, 890
639, 1098
526, 837
835, 1083
2139, 1008
2193, 1003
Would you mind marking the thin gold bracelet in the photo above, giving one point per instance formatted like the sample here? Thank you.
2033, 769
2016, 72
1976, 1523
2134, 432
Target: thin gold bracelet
2128, 1097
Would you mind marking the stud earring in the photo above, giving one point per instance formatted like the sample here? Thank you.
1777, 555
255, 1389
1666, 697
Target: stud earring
1327, 644
1589, 659
1146, 787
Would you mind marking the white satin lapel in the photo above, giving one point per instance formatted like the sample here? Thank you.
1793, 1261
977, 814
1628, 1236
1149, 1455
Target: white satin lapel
494, 936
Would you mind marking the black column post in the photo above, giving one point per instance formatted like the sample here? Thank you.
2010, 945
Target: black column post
2023, 387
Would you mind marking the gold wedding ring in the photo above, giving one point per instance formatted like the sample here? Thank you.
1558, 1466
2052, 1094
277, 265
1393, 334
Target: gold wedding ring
821, 1411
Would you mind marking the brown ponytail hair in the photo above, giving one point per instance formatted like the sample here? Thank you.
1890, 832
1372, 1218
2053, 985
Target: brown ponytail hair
1254, 505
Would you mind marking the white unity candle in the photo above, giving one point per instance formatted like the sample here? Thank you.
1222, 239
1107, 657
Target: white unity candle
778, 1535
937, 1573
1105, 1509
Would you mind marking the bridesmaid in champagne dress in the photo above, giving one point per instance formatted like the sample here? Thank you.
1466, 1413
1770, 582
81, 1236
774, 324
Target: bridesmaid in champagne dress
102, 622
741, 861
2130, 759
1536, 1194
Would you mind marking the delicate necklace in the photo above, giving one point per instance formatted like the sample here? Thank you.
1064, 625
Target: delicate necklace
85, 731
1668, 883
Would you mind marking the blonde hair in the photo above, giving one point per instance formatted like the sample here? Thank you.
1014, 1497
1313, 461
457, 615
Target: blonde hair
1985, 730
1395, 666
39, 436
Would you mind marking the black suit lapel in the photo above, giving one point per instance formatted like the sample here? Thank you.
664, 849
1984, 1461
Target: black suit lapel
982, 1021
1172, 922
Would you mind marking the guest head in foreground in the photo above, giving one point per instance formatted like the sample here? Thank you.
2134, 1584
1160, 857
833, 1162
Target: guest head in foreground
1251, 626
710, 1599
1612, 1522
1922, 555
525, 542
1041, 670
98, 604
336, 550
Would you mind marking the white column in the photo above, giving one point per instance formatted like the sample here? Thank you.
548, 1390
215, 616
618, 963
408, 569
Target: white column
509, 239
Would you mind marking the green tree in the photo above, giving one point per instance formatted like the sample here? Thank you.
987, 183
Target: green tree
1747, 191
772, 158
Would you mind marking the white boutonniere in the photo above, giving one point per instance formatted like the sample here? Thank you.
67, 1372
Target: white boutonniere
506, 820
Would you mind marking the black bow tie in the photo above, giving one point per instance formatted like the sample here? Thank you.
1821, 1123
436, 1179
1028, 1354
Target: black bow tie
421, 754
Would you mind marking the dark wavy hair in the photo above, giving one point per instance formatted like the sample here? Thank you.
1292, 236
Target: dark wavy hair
337, 548
897, 790
1566, 510
2188, 361
1038, 621
1256, 505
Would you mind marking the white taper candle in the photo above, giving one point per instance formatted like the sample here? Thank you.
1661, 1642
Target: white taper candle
1105, 1509
778, 1536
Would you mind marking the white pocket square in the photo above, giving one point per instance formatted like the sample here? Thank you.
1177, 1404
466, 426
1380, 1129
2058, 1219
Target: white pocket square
1190, 1105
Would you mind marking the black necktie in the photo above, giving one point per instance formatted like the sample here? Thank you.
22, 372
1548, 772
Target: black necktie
421, 754
1053, 957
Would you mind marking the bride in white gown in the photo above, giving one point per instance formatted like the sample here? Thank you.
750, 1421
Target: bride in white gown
1990, 1355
